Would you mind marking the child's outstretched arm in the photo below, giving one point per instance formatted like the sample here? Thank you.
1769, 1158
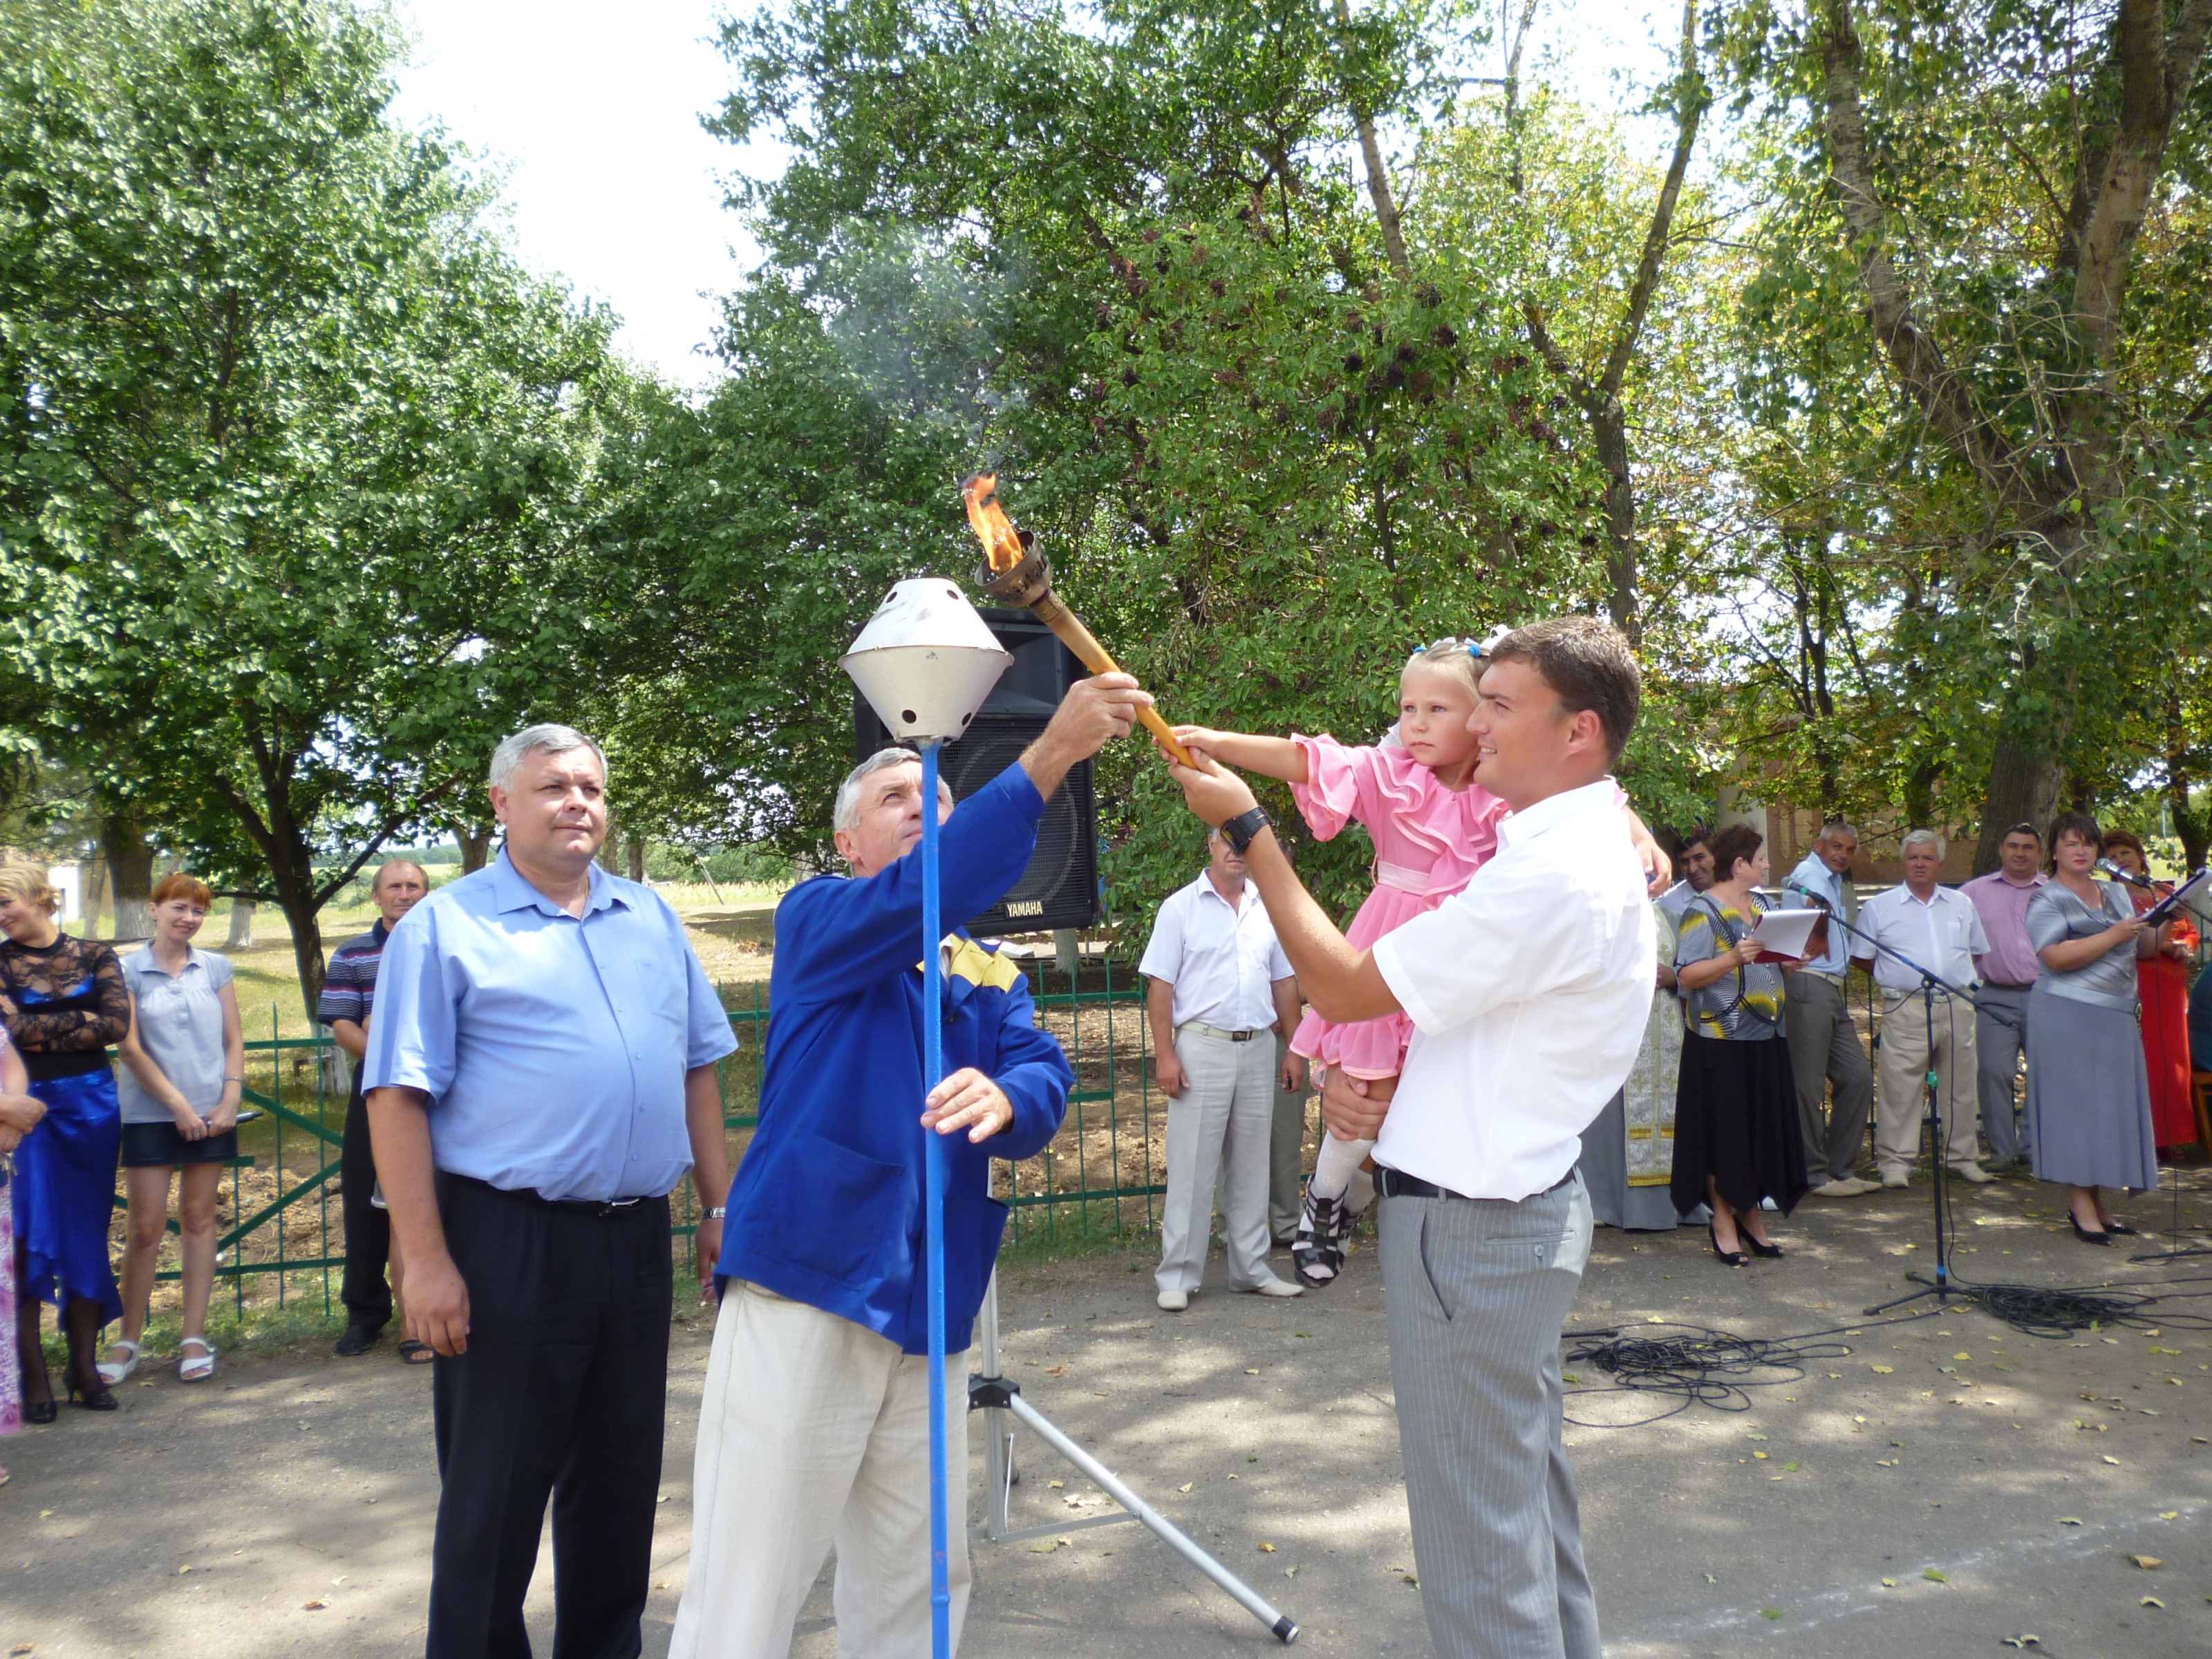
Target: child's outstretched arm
1271, 757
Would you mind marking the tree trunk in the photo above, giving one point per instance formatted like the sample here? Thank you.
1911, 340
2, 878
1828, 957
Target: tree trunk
130, 859
2023, 788
241, 937
293, 875
2191, 826
1609, 427
637, 860
476, 845
1378, 178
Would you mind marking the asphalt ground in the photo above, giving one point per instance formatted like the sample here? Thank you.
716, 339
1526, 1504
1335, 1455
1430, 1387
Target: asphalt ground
1932, 1485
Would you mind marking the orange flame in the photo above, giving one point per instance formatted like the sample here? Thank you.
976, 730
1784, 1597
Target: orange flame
1002, 543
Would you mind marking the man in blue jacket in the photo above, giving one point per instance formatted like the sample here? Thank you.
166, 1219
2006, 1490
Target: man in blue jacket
814, 1428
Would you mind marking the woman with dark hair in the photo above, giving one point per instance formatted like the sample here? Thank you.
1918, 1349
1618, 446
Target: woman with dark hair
1736, 1136
64, 1001
2162, 982
2088, 1091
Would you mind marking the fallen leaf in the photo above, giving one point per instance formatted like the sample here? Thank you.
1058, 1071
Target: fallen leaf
2069, 1521
2169, 1514
1186, 1486
1935, 1576
22, 1648
1044, 1546
1770, 1612
182, 1570
1289, 1572
1882, 1370
1266, 1549
315, 1606
2150, 1601
1791, 1467
1653, 1319
1761, 1456
2147, 1562
2021, 1641
2114, 1461
1054, 1485
1251, 1371
1889, 1583
1569, 1377
1056, 1370
1754, 1437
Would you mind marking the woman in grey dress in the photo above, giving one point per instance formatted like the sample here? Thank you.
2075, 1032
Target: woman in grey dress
2089, 1095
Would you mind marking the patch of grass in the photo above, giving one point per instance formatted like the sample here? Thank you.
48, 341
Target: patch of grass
298, 1328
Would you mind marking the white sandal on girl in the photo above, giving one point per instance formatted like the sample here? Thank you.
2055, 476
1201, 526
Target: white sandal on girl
195, 1367
112, 1372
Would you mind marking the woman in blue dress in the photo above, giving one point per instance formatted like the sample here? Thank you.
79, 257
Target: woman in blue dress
64, 1001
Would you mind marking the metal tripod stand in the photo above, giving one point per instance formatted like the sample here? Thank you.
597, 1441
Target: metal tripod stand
990, 1393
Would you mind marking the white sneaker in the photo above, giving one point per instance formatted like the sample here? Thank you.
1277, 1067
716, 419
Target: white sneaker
1842, 1187
1894, 1178
1973, 1173
1277, 1287
1173, 1300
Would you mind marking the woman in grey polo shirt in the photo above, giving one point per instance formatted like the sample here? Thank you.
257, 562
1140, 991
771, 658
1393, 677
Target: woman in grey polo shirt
2088, 1095
184, 1064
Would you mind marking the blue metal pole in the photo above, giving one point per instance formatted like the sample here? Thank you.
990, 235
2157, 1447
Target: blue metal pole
933, 1073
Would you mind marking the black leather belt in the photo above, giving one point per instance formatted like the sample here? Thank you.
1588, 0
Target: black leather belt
598, 1209
1395, 1183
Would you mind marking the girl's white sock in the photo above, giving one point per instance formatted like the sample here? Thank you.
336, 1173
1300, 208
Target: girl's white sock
1338, 1162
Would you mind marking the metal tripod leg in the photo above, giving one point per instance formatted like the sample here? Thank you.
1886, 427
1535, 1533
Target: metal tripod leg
999, 1401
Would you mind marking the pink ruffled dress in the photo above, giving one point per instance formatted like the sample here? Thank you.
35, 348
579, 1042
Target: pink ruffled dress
1428, 842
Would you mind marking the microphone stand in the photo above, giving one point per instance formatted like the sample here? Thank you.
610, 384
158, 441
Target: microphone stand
1942, 1286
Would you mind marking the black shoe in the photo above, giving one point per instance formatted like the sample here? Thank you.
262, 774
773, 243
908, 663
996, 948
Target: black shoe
2120, 1230
1318, 1256
98, 1400
357, 1341
2088, 1237
1734, 1258
1770, 1252
41, 1412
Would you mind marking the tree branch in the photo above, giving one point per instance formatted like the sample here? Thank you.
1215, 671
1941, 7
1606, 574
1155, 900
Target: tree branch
1928, 379
1689, 106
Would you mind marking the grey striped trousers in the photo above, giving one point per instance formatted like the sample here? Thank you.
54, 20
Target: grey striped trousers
1478, 1292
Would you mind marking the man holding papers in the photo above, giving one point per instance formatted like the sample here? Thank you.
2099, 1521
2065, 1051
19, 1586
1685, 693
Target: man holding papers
1939, 929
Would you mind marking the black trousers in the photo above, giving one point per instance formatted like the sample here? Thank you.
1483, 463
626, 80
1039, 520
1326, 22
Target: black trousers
562, 1392
367, 1298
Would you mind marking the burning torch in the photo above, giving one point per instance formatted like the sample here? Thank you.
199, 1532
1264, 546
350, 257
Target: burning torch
1015, 573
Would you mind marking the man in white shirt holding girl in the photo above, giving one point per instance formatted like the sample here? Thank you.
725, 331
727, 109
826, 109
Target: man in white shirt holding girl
1528, 991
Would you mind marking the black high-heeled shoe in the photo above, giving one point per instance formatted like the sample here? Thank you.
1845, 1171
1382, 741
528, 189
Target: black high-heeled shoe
93, 1399
2120, 1230
2088, 1237
1734, 1258
1770, 1250
41, 1412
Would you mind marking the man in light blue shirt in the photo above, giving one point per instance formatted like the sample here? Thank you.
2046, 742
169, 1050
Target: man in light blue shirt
1824, 1044
540, 1074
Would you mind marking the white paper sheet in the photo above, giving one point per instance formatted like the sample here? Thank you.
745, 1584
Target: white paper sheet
1784, 932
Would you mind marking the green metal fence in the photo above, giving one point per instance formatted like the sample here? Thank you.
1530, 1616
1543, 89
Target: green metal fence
1100, 1177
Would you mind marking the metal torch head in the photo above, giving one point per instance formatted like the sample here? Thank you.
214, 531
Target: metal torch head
1027, 582
926, 661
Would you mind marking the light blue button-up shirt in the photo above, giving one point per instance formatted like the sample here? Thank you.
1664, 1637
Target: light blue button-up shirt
553, 1046
1812, 875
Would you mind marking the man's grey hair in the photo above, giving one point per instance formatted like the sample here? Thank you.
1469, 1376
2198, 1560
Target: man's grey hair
847, 813
376, 881
507, 759
1920, 838
1830, 831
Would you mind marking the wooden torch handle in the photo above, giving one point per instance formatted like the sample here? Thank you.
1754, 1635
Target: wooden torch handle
1064, 622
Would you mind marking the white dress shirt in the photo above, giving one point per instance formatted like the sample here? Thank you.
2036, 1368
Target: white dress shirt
1942, 934
1813, 876
1221, 959
1528, 991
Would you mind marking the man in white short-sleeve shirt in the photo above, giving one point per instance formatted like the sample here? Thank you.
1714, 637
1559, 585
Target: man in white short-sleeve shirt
1528, 991
1220, 986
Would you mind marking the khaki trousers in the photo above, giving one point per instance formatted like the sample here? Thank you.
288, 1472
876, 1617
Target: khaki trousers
813, 1431
1903, 1072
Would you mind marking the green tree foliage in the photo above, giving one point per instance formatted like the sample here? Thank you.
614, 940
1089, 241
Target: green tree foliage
291, 454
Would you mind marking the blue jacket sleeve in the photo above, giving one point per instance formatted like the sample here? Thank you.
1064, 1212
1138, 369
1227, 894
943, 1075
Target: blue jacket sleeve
832, 936
1033, 1070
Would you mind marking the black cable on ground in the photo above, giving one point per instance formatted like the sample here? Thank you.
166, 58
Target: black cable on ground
1702, 1367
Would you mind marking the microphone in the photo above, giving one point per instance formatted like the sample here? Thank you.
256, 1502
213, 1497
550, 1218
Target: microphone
2106, 868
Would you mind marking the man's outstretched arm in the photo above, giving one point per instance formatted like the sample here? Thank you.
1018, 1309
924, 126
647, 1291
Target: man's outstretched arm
1343, 984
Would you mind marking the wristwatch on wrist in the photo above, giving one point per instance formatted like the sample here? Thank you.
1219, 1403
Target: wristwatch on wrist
1239, 830
714, 1214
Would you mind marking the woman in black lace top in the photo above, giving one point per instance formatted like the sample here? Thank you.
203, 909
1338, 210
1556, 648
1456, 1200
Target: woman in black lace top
64, 1001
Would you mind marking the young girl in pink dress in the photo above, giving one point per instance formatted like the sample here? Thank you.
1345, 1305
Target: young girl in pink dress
1433, 827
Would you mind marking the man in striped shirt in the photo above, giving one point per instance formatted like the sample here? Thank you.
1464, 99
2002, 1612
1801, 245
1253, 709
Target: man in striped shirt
348, 993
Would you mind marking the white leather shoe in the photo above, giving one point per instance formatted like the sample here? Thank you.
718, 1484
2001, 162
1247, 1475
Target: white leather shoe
1973, 1173
1277, 1287
1173, 1300
1894, 1178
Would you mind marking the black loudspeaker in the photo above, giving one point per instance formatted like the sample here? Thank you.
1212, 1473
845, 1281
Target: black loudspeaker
1061, 887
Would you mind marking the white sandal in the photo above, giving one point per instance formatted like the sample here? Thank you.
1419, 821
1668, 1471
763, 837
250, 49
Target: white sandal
112, 1373
195, 1367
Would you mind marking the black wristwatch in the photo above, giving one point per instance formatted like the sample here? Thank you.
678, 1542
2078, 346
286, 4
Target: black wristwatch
1239, 830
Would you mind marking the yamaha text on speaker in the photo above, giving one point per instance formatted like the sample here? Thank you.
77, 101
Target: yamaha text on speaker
1061, 887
